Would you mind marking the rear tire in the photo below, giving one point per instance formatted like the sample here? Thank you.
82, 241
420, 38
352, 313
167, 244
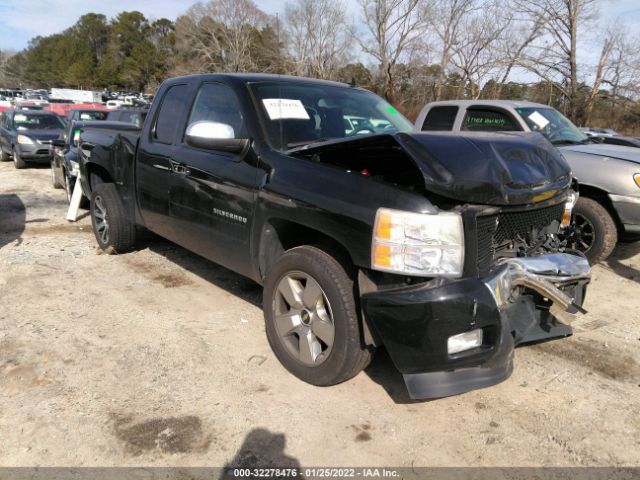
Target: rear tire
4, 156
311, 318
18, 162
54, 181
114, 232
67, 186
594, 231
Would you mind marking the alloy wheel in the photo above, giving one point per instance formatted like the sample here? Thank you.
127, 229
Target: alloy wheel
101, 219
582, 235
303, 318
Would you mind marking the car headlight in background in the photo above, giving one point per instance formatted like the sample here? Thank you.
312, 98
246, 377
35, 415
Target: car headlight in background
418, 244
24, 140
636, 178
568, 208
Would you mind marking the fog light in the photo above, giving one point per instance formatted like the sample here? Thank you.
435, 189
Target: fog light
464, 341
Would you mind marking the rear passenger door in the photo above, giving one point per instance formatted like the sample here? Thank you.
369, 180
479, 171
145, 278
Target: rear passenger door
212, 193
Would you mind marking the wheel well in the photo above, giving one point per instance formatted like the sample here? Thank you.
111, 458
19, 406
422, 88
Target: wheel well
602, 197
279, 235
97, 174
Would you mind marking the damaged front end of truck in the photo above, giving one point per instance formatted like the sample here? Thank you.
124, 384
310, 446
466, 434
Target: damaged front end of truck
452, 289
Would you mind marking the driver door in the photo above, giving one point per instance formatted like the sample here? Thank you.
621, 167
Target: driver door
213, 192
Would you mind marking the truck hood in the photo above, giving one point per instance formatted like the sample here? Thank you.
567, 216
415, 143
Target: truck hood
487, 168
631, 154
40, 134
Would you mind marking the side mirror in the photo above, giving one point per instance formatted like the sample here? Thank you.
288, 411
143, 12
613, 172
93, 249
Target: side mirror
58, 142
214, 136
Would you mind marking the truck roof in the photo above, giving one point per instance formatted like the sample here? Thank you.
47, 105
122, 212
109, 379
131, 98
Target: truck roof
495, 103
253, 77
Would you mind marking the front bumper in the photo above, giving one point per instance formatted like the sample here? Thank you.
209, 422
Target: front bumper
628, 209
36, 152
522, 301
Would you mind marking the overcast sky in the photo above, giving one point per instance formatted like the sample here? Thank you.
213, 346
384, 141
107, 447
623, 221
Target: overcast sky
20, 20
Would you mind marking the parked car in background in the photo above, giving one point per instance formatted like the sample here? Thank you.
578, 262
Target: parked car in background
621, 140
598, 132
26, 136
409, 240
29, 106
64, 162
63, 108
609, 175
135, 116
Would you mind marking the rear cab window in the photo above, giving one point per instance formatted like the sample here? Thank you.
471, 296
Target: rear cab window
488, 120
440, 119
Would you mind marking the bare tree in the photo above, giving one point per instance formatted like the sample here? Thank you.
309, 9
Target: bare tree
319, 40
514, 41
607, 47
219, 33
554, 59
445, 20
5, 55
475, 52
393, 27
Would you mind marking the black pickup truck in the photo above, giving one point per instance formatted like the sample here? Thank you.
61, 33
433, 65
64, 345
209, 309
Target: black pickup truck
441, 248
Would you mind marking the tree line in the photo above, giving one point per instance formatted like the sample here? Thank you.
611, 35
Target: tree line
410, 51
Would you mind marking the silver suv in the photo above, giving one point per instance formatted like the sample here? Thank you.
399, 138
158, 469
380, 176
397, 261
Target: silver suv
608, 175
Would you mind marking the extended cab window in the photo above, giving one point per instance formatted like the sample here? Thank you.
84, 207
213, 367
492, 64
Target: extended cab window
486, 120
169, 113
440, 119
216, 102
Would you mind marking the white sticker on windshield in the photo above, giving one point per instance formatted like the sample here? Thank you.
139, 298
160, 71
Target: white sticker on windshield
538, 119
20, 118
280, 108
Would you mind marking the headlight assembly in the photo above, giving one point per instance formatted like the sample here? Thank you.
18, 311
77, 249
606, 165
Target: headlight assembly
568, 208
24, 140
426, 245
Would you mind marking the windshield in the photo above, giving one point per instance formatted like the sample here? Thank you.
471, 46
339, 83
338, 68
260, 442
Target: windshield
298, 114
92, 115
553, 125
25, 121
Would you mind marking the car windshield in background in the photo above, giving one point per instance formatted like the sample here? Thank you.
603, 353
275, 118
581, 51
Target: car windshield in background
300, 114
24, 121
93, 115
553, 125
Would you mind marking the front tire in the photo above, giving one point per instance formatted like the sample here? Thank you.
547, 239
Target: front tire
114, 232
311, 320
593, 230
18, 162
4, 156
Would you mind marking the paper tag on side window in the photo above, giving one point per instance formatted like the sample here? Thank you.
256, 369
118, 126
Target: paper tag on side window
538, 119
281, 108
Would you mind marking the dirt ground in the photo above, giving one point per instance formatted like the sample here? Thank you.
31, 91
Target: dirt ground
159, 357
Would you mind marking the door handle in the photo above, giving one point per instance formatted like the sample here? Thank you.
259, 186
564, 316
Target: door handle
180, 168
